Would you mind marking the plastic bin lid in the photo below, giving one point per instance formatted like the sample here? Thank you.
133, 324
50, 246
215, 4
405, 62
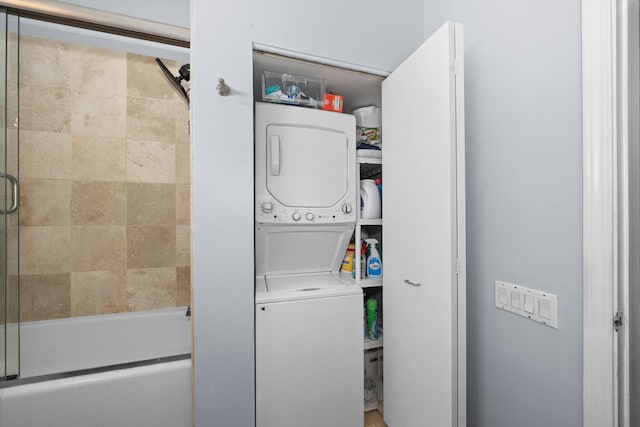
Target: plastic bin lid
368, 117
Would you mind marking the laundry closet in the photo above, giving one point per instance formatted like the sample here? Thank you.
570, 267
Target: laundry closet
320, 360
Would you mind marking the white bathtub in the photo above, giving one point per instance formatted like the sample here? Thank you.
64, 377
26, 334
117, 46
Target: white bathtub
157, 394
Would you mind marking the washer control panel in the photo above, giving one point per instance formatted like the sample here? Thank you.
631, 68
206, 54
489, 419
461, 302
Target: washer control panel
269, 211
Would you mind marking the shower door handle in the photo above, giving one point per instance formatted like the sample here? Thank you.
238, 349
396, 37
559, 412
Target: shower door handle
15, 194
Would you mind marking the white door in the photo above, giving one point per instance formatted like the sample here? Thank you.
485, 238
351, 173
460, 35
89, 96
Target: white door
423, 234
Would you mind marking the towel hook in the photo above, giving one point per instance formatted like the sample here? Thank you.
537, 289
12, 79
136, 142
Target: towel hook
223, 88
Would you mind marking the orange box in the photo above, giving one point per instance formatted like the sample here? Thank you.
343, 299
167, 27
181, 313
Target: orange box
333, 102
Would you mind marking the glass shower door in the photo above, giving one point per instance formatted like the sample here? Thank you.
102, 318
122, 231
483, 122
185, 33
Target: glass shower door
9, 199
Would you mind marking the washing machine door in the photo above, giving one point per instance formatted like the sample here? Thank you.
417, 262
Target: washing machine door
307, 166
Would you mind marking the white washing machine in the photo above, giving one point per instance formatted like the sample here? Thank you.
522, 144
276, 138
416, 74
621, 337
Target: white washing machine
309, 364
309, 330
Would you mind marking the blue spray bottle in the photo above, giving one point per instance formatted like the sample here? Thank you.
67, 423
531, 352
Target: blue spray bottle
374, 263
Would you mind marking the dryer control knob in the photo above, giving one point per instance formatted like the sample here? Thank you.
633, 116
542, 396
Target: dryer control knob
267, 207
309, 216
346, 208
296, 216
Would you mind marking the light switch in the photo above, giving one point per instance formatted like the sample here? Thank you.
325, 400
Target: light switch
515, 300
544, 308
529, 303
503, 296
533, 304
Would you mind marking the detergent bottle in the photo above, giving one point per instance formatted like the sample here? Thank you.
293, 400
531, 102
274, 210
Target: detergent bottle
374, 263
372, 319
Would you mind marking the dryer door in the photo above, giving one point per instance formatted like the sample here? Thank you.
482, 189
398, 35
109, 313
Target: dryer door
306, 166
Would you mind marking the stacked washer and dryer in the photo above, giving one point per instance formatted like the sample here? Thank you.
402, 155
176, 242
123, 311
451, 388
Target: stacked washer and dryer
309, 329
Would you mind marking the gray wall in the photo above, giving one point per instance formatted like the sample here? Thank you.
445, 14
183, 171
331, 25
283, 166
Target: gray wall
223, 275
524, 206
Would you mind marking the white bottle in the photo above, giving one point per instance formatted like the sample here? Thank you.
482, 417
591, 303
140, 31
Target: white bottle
374, 263
370, 197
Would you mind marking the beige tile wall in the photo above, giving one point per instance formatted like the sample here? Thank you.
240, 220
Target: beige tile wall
105, 183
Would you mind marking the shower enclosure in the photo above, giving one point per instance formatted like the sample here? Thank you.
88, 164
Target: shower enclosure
95, 181
9, 202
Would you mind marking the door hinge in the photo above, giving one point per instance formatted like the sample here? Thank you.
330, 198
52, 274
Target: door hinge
457, 265
618, 321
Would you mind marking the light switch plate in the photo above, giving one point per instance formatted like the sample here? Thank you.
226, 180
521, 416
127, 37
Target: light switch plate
539, 306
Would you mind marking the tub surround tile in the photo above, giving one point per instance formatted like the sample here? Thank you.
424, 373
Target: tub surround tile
98, 292
146, 79
183, 292
105, 168
98, 248
151, 161
98, 114
98, 71
12, 248
36, 112
183, 163
151, 288
45, 202
45, 250
11, 153
99, 158
183, 124
45, 296
150, 119
12, 305
183, 204
45, 155
151, 246
151, 204
98, 203
44, 62
183, 245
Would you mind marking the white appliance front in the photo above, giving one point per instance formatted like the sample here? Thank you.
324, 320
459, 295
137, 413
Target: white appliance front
290, 249
304, 165
309, 364
302, 286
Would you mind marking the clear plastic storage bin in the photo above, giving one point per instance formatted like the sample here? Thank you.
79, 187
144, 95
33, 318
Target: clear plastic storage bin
290, 89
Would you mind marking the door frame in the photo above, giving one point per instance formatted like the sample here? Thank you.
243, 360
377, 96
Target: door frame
607, 53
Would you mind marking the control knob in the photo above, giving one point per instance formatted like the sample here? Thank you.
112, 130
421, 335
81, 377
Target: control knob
296, 216
346, 208
267, 207
309, 216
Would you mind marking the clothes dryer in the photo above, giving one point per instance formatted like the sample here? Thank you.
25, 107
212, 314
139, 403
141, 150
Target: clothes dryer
304, 165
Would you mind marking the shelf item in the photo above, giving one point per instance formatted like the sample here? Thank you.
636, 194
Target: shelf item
366, 159
370, 405
295, 90
369, 221
369, 152
370, 167
370, 282
371, 344
370, 203
373, 387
